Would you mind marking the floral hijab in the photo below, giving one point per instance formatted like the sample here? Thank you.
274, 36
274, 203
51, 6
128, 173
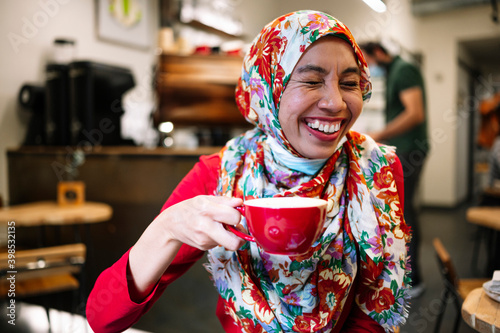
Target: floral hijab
364, 236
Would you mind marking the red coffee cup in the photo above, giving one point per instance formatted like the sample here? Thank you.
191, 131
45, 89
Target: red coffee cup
284, 225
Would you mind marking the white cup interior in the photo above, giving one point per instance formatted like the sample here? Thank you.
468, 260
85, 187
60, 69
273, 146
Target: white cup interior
286, 202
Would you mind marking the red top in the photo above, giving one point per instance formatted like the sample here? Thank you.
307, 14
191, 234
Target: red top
110, 309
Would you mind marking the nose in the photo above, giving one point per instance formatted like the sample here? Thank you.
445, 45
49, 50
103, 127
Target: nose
332, 99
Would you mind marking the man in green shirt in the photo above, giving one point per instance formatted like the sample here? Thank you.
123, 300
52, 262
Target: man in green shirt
406, 129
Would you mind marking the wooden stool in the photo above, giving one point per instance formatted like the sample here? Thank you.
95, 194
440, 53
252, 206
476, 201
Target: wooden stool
41, 271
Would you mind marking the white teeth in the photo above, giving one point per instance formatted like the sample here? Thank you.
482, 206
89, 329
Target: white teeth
324, 127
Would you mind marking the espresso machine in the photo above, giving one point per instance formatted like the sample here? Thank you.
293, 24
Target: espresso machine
96, 92
80, 104
32, 98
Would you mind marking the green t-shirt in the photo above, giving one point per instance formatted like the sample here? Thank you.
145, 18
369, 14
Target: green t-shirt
402, 75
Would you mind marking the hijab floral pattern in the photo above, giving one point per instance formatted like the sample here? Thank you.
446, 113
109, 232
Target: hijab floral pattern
364, 237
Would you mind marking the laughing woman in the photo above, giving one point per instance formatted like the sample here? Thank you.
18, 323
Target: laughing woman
303, 85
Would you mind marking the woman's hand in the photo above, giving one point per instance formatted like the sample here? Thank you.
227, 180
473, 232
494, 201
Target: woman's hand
199, 221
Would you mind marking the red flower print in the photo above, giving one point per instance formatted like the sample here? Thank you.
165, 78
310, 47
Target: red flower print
304, 323
356, 138
402, 231
405, 228
371, 292
289, 288
242, 95
353, 181
384, 178
279, 75
377, 300
264, 50
248, 326
252, 296
370, 271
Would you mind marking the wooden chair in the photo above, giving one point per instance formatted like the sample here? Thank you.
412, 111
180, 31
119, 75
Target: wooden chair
456, 289
42, 271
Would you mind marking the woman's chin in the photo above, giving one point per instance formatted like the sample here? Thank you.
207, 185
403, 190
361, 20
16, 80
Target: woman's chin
317, 153
317, 149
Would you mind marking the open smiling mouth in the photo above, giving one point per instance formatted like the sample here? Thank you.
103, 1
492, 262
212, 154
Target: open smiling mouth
325, 127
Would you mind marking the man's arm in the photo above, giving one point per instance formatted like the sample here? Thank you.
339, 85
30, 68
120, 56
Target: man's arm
412, 115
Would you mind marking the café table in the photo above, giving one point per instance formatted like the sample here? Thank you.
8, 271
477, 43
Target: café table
51, 213
481, 312
487, 217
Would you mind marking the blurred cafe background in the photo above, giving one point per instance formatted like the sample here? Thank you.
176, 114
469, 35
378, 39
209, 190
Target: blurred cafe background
105, 105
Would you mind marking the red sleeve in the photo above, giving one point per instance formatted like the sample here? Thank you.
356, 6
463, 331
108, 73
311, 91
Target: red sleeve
109, 307
397, 171
360, 322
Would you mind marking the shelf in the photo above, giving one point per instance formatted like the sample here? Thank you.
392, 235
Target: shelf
199, 90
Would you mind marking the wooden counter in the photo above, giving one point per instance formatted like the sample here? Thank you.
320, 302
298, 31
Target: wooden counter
123, 174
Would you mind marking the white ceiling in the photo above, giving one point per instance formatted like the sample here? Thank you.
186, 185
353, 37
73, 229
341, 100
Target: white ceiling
425, 7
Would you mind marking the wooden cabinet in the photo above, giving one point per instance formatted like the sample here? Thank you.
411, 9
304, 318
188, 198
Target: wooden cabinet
198, 90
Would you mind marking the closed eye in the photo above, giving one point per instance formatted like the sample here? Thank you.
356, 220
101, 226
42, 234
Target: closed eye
351, 84
312, 82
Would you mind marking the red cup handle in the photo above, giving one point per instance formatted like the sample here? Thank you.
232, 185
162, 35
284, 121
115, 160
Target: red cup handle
235, 231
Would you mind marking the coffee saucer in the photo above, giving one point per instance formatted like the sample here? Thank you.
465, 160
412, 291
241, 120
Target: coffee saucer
491, 289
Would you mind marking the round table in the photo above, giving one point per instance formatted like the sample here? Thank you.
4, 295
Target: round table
50, 213
481, 312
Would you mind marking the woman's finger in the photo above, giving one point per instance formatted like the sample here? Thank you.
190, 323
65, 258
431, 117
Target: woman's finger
221, 209
226, 238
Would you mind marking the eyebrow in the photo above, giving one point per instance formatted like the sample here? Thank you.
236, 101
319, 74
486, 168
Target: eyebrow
321, 70
311, 68
354, 70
